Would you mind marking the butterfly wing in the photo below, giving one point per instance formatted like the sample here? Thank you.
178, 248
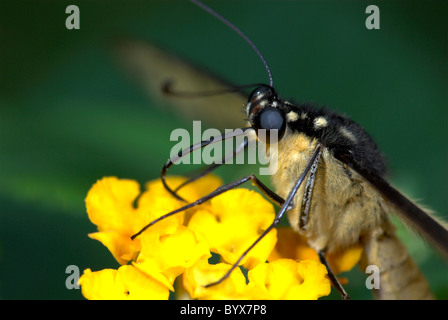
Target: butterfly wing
417, 218
154, 68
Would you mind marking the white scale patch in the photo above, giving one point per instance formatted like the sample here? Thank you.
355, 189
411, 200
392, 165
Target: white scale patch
292, 116
320, 122
346, 133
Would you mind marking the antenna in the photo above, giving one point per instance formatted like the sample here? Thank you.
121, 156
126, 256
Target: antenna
240, 33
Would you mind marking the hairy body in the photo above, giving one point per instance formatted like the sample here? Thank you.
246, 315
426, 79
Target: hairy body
345, 208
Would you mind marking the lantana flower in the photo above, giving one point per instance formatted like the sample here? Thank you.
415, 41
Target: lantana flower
180, 246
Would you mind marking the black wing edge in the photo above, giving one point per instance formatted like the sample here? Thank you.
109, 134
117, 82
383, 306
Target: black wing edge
421, 221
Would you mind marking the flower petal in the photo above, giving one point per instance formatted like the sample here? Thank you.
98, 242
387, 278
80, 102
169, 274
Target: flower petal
122, 247
345, 260
124, 283
202, 273
292, 245
190, 192
174, 252
287, 279
233, 222
109, 204
151, 268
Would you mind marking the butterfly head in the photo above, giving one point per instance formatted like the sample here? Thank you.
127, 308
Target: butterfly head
264, 113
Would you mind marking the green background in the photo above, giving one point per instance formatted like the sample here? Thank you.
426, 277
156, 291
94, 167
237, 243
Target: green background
69, 115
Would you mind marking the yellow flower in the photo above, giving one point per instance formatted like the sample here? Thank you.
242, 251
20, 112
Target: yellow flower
125, 283
202, 273
292, 245
181, 245
287, 279
110, 206
283, 279
170, 253
241, 215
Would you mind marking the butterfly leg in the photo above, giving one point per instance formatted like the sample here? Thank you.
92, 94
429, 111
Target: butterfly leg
303, 221
214, 166
268, 192
334, 280
199, 145
286, 205
307, 195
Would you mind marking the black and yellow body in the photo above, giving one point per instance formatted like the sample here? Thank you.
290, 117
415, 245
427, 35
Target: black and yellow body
329, 177
329, 181
343, 208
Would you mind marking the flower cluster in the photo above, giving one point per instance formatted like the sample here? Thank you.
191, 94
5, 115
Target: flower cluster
280, 266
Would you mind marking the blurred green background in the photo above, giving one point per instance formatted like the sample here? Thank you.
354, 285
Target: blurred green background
69, 116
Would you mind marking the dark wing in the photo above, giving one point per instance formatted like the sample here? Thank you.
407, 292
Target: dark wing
154, 68
421, 221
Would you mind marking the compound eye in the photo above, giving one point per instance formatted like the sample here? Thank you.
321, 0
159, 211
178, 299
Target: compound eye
270, 119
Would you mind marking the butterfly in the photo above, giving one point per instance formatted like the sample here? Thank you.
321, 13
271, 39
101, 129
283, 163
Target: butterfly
331, 172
